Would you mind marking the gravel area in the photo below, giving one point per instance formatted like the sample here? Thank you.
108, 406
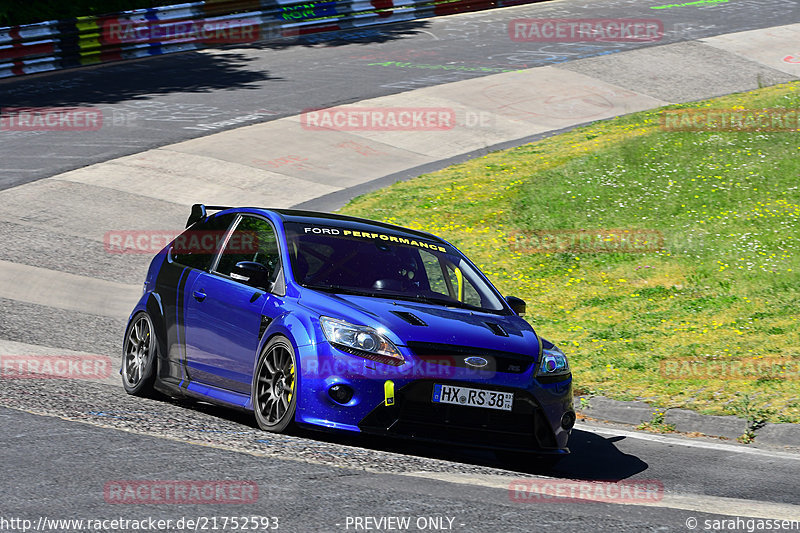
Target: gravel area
201, 423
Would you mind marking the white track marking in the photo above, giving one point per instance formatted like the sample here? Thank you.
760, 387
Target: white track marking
689, 502
689, 443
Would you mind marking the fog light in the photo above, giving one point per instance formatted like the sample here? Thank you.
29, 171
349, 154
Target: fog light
568, 420
340, 393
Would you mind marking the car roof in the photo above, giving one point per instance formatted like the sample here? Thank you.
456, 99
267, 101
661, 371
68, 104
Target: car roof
347, 222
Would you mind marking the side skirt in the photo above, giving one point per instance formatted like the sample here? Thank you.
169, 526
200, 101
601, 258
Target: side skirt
222, 397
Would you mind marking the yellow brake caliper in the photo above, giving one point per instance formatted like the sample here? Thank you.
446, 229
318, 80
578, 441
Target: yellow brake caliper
291, 386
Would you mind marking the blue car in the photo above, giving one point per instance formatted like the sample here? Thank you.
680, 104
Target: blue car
340, 323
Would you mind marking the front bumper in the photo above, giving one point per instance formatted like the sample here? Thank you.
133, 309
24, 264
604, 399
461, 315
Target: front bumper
414, 416
533, 424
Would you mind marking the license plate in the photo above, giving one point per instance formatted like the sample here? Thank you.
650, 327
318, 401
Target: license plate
469, 397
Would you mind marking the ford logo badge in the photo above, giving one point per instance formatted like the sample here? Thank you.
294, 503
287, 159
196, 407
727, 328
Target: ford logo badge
477, 362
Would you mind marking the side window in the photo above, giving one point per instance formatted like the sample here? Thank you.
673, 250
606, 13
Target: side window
471, 295
196, 246
252, 240
433, 270
449, 281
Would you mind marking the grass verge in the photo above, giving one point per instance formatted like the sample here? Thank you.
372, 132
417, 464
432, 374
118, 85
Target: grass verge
720, 288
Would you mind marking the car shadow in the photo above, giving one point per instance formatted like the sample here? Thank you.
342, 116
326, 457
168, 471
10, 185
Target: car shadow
595, 457
592, 457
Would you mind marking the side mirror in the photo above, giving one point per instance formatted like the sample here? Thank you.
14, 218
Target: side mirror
251, 273
516, 304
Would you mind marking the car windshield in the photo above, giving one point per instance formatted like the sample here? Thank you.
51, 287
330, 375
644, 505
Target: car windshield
386, 264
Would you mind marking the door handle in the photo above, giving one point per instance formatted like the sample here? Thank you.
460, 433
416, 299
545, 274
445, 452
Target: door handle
199, 295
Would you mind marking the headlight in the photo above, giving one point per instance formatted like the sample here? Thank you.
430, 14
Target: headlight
554, 362
363, 341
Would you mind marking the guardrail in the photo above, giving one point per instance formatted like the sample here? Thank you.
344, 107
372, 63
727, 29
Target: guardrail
64, 44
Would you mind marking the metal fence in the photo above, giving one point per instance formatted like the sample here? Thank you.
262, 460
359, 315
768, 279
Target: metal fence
63, 44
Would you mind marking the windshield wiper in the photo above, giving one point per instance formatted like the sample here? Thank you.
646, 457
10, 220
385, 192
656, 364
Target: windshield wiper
338, 288
428, 300
393, 296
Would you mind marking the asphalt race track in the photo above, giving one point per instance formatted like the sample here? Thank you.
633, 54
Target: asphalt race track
177, 97
64, 441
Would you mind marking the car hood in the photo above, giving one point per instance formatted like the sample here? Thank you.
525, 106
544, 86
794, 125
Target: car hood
415, 322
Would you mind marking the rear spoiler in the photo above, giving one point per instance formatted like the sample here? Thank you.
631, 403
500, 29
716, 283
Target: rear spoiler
200, 211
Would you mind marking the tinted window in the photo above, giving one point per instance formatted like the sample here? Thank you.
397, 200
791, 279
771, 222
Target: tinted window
446, 279
386, 264
196, 246
252, 240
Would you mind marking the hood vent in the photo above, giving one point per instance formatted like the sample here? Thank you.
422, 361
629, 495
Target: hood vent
411, 318
497, 329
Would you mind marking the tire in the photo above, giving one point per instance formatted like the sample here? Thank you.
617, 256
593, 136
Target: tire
139, 353
274, 392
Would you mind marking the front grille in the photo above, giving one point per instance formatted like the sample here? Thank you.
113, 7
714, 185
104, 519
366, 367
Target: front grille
414, 415
499, 361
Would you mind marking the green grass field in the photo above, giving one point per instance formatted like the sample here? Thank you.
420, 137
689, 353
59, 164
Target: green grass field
723, 286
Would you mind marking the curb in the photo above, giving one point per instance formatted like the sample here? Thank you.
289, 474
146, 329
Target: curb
686, 421
781, 434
